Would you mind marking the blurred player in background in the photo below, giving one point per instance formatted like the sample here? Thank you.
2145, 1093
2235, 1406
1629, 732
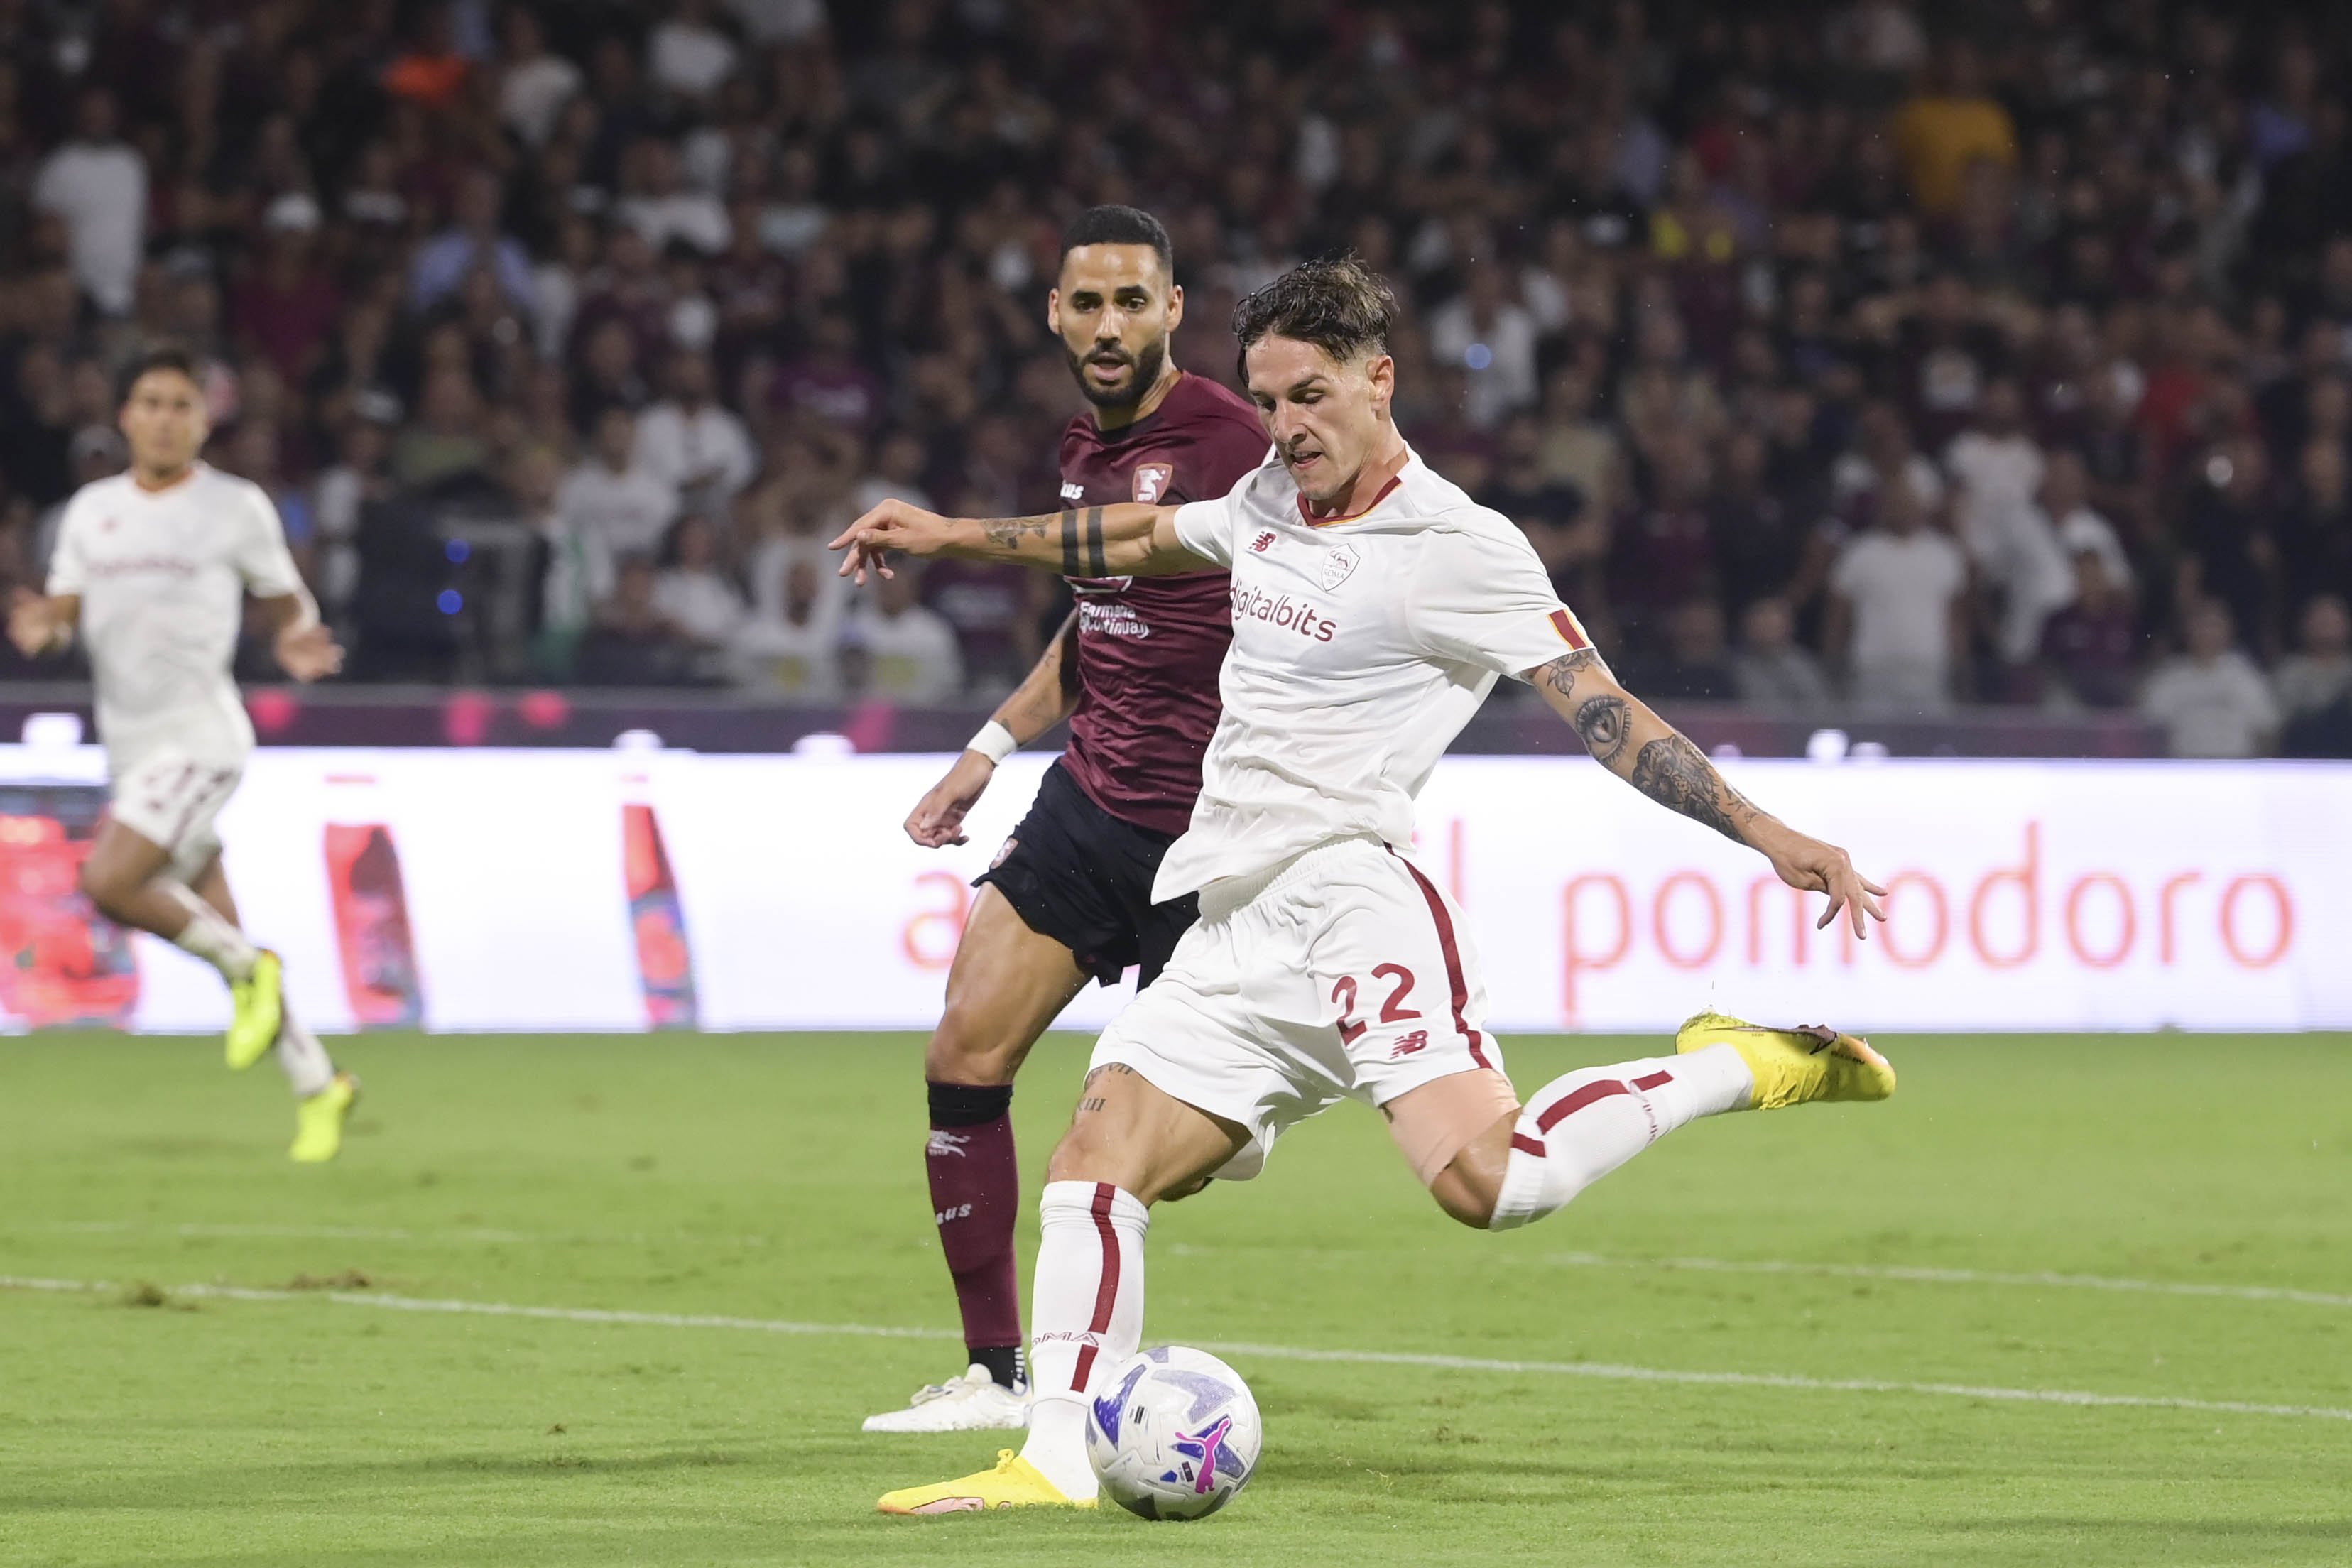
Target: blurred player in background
152, 567
1134, 670
1374, 605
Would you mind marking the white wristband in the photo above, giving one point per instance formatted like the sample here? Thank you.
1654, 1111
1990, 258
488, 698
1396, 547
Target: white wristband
994, 742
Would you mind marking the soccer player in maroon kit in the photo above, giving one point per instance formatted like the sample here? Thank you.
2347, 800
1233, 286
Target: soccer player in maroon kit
1134, 670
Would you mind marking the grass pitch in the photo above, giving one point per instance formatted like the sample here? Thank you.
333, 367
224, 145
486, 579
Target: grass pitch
2161, 1218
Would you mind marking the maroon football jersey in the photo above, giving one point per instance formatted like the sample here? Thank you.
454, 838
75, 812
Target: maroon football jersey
1149, 648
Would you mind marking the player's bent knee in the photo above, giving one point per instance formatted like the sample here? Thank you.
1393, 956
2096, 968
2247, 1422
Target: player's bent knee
959, 1054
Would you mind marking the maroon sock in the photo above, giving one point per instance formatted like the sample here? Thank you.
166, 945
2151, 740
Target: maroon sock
975, 1194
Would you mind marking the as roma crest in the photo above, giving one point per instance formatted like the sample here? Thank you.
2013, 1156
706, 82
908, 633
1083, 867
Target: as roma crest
1339, 563
1152, 481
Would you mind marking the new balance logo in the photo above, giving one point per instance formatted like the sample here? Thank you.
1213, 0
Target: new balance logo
1263, 542
1408, 1044
950, 1142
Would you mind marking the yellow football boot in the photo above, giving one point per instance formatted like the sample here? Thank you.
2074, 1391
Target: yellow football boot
318, 1120
1794, 1065
1014, 1483
260, 1011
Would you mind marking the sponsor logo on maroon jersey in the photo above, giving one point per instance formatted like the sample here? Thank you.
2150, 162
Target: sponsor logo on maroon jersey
1111, 618
1252, 605
1263, 542
1152, 481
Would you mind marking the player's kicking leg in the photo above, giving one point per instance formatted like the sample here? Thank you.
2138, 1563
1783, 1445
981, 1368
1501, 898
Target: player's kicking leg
1129, 1145
129, 877
1531, 1161
1007, 984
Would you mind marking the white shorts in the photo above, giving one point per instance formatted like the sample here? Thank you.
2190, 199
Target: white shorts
172, 799
1342, 974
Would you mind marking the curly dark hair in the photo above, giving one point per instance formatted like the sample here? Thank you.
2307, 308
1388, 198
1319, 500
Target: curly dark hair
1337, 303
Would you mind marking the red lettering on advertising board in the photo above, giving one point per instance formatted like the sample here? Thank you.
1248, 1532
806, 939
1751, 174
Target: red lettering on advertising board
2027, 879
1935, 893
1577, 959
2128, 919
2283, 914
1661, 928
930, 936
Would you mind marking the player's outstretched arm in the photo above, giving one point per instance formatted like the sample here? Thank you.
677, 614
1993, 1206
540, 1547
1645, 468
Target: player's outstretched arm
306, 649
42, 624
1041, 701
1123, 540
1635, 743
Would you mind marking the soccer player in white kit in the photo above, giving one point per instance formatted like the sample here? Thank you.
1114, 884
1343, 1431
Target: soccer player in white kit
152, 567
1374, 605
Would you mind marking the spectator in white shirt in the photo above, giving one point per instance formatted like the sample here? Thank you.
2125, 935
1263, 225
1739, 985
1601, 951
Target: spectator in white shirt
693, 593
1493, 337
688, 56
1897, 606
661, 208
98, 185
2065, 508
794, 651
2211, 700
687, 440
615, 498
1997, 471
579, 567
908, 651
535, 85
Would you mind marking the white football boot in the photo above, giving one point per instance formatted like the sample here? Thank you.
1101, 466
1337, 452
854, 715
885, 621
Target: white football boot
972, 1403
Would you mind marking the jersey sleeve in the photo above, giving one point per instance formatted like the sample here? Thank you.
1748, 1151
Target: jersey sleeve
68, 572
262, 559
1206, 529
1479, 596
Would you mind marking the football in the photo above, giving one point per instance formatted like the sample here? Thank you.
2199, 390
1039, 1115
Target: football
1173, 1435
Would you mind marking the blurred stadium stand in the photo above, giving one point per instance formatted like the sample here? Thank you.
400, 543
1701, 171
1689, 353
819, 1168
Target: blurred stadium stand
1970, 378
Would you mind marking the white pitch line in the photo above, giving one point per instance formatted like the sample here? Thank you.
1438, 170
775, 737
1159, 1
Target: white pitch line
1893, 1272
1276, 1353
1922, 1275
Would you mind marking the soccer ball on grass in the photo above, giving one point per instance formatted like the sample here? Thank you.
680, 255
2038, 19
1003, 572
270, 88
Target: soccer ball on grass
1174, 1434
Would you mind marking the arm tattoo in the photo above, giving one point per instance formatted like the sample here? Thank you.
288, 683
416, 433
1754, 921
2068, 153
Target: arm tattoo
1605, 723
1674, 774
1560, 673
1082, 543
1009, 531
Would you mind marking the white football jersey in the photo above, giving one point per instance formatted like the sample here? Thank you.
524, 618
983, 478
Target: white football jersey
162, 577
1361, 645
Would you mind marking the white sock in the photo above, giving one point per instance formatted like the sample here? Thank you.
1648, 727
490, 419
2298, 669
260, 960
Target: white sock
304, 1060
1576, 1130
210, 937
1086, 1314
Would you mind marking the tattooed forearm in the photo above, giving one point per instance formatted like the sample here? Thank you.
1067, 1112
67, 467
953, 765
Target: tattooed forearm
1009, 531
1082, 543
1560, 673
1604, 724
1673, 772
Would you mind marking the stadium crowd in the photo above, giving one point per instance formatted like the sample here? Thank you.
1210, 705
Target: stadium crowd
1824, 355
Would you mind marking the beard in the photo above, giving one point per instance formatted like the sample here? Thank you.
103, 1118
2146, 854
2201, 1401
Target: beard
1146, 367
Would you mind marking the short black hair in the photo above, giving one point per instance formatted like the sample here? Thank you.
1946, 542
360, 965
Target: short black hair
1120, 226
167, 356
1336, 303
